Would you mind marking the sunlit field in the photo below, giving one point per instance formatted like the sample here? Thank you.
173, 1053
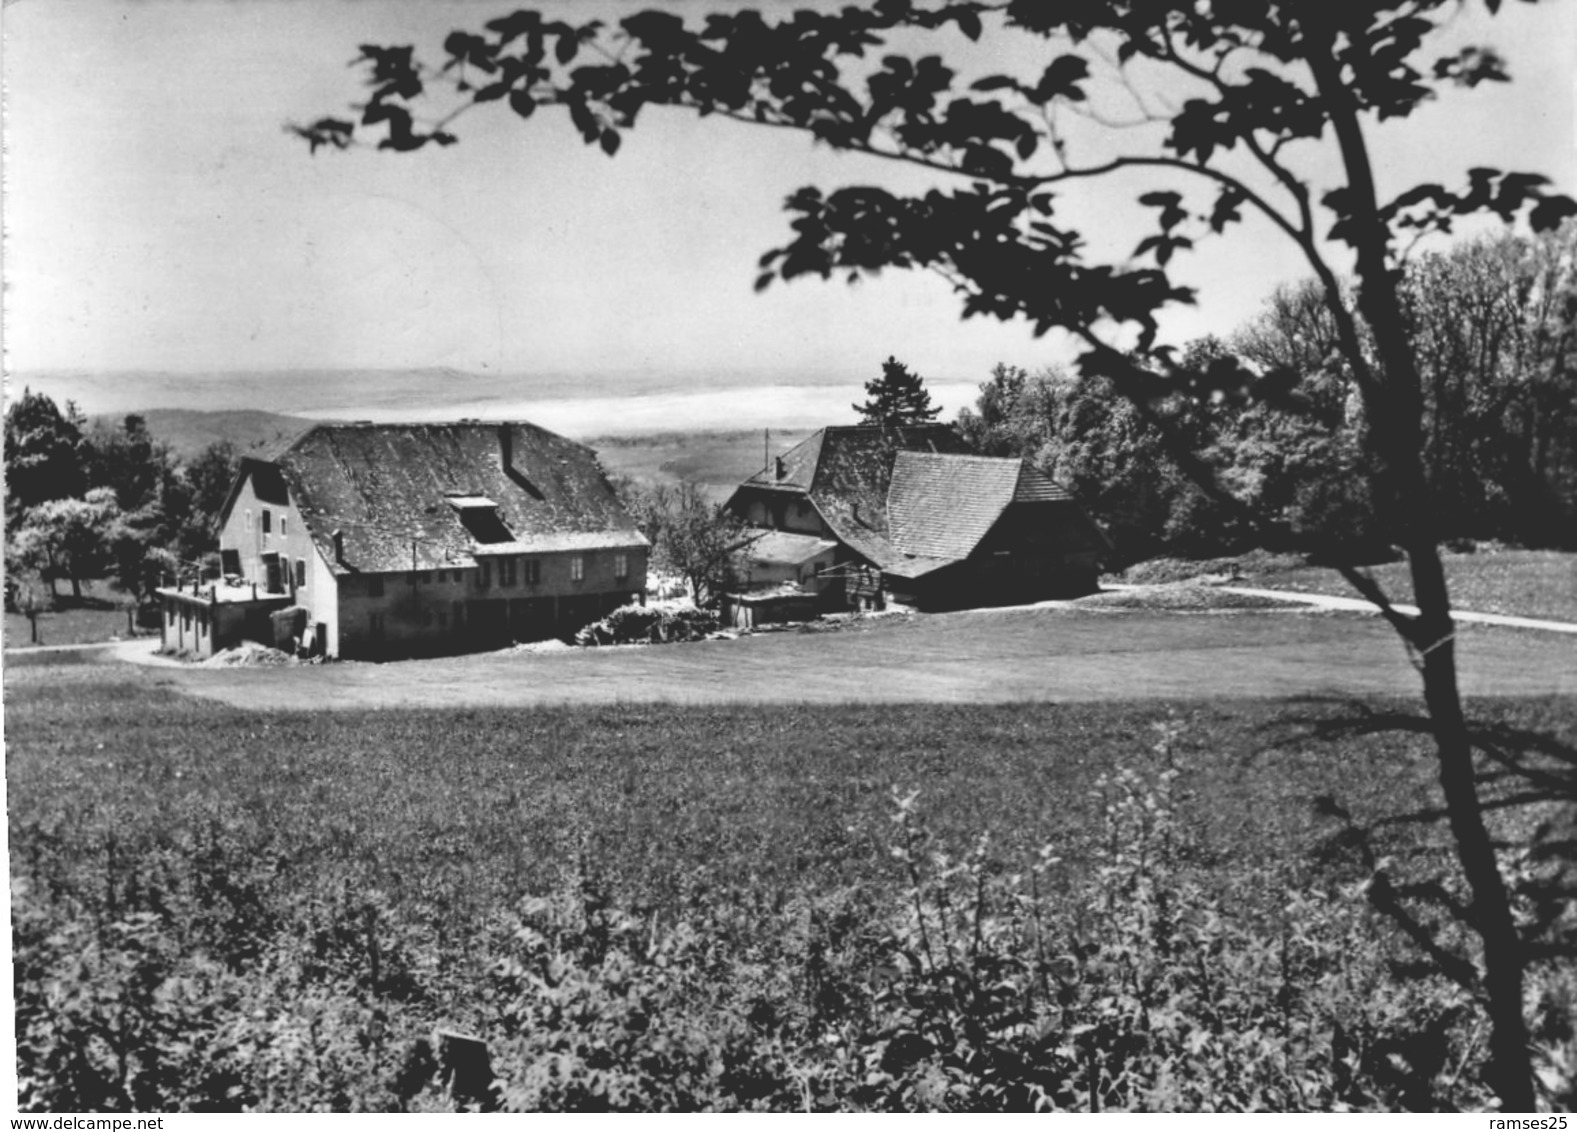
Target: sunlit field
662, 906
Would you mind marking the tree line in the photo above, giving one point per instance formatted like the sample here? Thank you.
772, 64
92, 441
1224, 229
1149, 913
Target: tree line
1493, 327
86, 501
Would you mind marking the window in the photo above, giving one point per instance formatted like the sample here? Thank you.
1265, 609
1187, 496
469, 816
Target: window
484, 573
301, 573
375, 625
533, 572
171, 613
268, 520
374, 585
577, 569
438, 576
506, 571
621, 566
282, 526
248, 520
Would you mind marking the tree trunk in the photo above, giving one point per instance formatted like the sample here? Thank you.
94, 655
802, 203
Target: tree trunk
1510, 1069
1397, 415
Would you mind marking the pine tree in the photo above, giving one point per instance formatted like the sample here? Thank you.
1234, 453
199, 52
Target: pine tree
898, 397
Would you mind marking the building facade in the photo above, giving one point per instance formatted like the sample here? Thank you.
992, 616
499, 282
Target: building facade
409, 540
909, 514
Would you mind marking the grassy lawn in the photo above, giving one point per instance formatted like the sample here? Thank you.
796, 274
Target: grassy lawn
486, 804
1521, 583
1065, 654
311, 890
99, 617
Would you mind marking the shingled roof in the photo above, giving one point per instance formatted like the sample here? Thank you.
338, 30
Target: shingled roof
909, 499
424, 496
845, 470
942, 506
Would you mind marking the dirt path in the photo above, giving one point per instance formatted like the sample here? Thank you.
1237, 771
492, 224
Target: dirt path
1042, 654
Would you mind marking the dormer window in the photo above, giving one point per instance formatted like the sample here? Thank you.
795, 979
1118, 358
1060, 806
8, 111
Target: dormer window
480, 518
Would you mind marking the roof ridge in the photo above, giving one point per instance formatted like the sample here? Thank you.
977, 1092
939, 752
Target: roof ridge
964, 456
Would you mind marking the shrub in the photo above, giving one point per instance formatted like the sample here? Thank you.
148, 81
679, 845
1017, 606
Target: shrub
651, 624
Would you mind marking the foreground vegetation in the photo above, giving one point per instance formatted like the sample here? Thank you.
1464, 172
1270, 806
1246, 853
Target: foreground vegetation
661, 907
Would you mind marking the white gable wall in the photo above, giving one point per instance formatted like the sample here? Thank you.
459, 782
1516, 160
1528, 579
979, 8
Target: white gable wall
242, 531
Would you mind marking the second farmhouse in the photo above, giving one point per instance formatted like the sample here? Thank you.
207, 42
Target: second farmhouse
858, 513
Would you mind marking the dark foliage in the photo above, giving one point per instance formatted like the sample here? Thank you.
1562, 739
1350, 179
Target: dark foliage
43, 454
898, 397
85, 502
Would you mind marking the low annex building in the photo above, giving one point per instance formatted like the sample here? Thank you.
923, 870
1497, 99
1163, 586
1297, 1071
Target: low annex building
424, 539
908, 512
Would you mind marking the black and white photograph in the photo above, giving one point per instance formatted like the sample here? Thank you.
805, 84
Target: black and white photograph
834, 556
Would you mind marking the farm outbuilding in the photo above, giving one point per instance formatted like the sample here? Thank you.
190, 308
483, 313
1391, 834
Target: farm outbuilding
425, 539
913, 516
203, 619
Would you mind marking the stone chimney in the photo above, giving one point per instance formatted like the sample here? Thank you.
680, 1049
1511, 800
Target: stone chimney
506, 447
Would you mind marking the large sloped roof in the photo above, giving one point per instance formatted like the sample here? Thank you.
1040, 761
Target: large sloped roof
844, 470
942, 506
910, 499
403, 496
838, 456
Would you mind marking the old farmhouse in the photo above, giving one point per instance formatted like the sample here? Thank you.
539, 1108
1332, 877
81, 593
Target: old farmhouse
861, 513
422, 539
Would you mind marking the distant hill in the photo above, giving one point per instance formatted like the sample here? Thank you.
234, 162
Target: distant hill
189, 431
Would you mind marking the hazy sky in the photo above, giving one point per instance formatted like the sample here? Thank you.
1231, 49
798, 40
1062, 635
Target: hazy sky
159, 217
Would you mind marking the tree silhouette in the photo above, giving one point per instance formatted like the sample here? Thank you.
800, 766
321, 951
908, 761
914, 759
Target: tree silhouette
1266, 85
43, 454
898, 397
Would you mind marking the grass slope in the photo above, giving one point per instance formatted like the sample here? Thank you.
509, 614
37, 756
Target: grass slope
1521, 583
663, 906
486, 804
100, 616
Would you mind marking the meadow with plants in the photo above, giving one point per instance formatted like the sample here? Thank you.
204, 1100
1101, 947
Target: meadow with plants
1131, 905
